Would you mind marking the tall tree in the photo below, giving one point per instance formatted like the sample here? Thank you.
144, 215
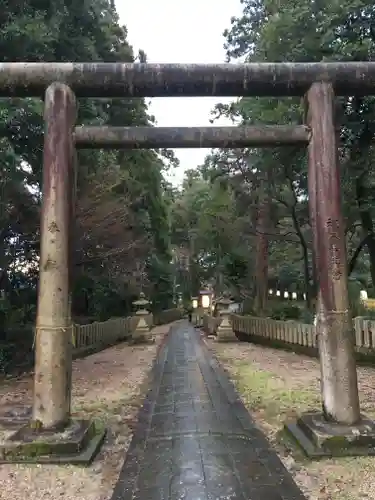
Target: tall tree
122, 219
305, 31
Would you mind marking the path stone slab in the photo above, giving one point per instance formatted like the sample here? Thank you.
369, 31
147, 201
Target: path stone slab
200, 443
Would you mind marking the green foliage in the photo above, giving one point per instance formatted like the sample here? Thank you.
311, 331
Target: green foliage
206, 230
307, 317
121, 241
284, 312
300, 31
168, 316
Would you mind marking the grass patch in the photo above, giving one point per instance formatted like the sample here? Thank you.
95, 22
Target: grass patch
263, 391
105, 408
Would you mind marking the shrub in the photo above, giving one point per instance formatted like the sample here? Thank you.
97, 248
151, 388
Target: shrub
285, 311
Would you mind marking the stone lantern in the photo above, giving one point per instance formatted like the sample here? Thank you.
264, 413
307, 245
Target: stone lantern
225, 331
142, 330
218, 306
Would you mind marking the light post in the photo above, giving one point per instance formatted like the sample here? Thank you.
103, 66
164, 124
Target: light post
206, 300
194, 305
179, 301
205, 304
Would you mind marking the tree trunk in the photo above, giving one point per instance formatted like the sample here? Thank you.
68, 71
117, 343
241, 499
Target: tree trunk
367, 224
261, 260
356, 254
305, 255
306, 274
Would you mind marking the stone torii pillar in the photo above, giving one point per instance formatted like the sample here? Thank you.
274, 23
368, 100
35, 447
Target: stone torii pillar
54, 325
340, 426
335, 327
52, 436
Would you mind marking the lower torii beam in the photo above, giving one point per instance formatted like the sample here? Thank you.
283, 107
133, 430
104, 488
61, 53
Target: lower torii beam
190, 137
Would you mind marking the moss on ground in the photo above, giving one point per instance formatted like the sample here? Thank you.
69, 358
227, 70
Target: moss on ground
107, 411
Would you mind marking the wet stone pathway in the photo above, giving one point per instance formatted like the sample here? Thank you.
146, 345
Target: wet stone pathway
195, 440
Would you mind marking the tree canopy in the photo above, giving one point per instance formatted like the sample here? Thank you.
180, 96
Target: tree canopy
265, 231
121, 237
239, 221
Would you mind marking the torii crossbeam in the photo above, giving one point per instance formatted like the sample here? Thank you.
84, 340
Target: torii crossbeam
178, 80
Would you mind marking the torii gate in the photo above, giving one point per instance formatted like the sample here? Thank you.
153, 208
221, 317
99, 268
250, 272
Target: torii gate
61, 83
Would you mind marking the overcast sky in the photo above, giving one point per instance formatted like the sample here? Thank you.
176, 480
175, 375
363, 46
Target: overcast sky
172, 31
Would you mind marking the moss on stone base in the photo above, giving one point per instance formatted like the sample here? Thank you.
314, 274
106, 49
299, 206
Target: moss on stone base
78, 448
320, 438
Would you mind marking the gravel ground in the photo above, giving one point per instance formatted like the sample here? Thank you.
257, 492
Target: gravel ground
274, 386
110, 386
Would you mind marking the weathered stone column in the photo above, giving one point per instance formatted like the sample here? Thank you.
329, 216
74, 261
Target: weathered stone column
335, 328
53, 327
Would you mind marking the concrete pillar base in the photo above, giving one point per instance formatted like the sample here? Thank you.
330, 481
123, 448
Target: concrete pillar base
76, 444
318, 437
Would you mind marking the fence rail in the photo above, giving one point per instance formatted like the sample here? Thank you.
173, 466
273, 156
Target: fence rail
300, 334
104, 333
116, 329
17, 348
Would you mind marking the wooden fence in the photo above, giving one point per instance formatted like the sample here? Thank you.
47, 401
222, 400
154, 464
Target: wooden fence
104, 333
292, 332
17, 350
116, 329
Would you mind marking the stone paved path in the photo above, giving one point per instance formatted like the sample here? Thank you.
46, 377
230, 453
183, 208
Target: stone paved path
195, 440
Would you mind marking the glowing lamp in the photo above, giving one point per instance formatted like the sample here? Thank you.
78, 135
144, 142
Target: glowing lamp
206, 301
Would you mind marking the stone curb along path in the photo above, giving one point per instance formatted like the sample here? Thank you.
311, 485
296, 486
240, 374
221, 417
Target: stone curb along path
195, 439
